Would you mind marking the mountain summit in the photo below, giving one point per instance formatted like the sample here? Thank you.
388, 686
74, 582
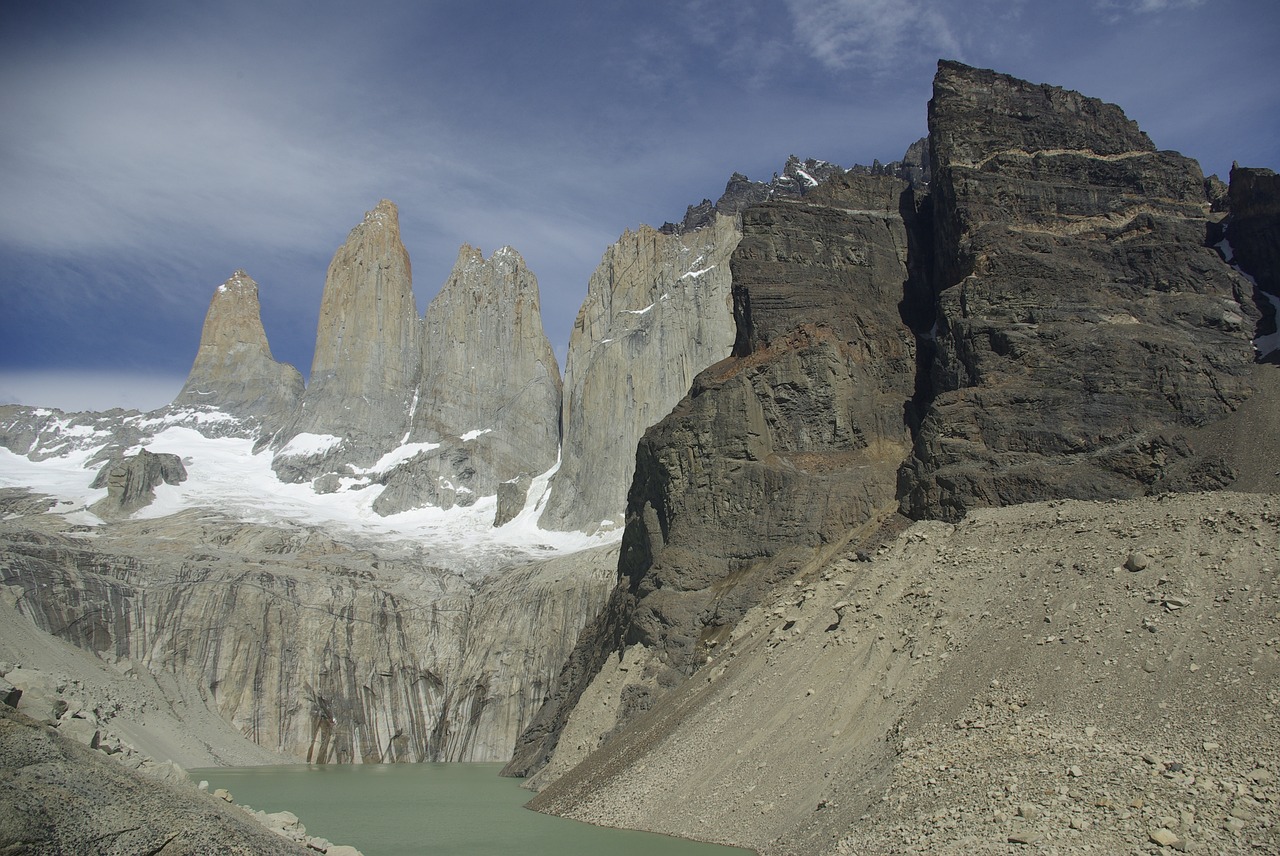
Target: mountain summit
234, 370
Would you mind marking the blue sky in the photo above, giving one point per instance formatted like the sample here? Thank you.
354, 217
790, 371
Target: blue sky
148, 150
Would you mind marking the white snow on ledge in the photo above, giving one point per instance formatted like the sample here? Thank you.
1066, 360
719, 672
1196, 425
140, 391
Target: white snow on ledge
309, 444
695, 274
471, 435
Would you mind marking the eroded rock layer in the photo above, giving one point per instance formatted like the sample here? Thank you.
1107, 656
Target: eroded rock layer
1082, 321
310, 647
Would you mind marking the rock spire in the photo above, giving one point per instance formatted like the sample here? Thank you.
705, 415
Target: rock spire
657, 312
234, 370
366, 362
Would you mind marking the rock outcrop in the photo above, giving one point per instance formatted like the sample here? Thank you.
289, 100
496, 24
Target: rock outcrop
131, 482
1082, 321
367, 360
58, 796
775, 455
489, 397
234, 371
1253, 227
657, 311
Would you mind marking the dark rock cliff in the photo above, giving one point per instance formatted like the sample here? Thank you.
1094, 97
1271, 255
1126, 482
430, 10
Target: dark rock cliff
1254, 225
1049, 321
1083, 322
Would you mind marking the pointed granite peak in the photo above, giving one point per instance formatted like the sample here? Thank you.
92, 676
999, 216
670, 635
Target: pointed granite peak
234, 370
490, 390
366, 359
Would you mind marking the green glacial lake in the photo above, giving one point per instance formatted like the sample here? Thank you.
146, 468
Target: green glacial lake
436, 809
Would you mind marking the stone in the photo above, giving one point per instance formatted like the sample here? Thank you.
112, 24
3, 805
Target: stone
9, 694
1025, 837
1038, 190
1166, 838
512, 495
233, 370
657, 312
1137, 562
131, 482
367, 359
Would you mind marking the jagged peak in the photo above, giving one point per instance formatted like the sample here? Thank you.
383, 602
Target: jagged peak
384, 215
239, 283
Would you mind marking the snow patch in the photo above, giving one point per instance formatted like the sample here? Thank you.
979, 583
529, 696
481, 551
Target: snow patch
309, 444
695, 274
1270, 343
398, 456
471, 435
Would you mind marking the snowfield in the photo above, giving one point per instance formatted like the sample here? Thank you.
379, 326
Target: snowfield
225, 475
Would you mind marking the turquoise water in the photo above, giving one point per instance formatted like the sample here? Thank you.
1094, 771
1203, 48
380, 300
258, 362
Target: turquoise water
435, 809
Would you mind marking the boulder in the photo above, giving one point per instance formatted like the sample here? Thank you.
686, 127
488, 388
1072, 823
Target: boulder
131, 482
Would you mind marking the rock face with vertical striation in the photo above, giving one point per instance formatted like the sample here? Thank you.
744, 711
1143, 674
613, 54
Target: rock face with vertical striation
366, 364
657, 312
1082, 322
234, 370
311, 647
489, 396
776, 454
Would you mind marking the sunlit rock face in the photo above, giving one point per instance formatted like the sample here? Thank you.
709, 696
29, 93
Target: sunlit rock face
489, 397
657, 312
233, 370
367, 358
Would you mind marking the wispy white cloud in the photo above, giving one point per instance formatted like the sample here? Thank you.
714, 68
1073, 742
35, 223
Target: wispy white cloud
872, 35
1115, 9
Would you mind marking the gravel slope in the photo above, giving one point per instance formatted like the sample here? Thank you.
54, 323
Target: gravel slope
1004, 685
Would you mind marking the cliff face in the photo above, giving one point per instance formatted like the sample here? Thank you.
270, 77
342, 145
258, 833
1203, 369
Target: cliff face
776, 453
489, 397
310, 647
234, 370
657, 311
1082, 322
366, 362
